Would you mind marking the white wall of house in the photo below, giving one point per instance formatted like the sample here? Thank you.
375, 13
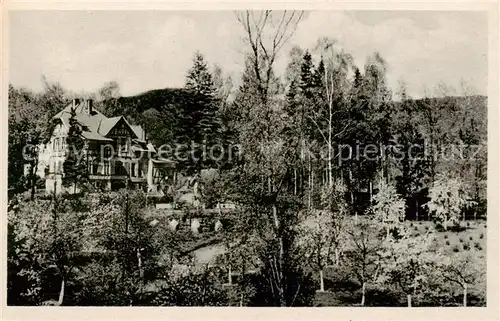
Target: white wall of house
53, 157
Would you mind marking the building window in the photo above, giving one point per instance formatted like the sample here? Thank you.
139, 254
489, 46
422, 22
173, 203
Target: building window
122, 145
133, 170
107, 168
107, 151
91, 166
95, 167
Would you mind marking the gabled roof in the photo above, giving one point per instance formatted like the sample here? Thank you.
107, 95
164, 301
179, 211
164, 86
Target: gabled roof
107, 124
139, 132
112, 122
96, 126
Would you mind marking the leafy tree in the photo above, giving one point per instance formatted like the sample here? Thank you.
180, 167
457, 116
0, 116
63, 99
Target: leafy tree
322, 233
198, 287
447, 200
364, 258
27, 130
318, 241
126, 251
25, 234
337, 63
262, 181
75, 163
388, 208
463, 269
47, 243
408, 263
107, 99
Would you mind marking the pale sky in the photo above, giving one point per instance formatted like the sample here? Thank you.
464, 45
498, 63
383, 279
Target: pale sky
144, 50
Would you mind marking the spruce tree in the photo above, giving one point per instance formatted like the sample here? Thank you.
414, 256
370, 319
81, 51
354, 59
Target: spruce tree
75, 163
307, 75
202, 118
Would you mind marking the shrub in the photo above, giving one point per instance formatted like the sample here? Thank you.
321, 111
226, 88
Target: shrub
460, 240
466, 246
415, 228
468, 224
446, 236
456, 249
447, 242
481, 236
471, 238
480, 248
477, 245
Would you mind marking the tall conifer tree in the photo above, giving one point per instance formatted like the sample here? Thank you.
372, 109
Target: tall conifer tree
75, 164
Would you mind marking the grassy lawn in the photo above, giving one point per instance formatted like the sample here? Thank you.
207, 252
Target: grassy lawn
472, 236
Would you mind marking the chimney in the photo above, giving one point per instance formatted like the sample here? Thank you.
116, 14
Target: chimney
89, 106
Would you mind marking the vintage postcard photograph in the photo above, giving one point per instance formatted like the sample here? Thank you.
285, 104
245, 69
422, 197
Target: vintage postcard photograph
248, 158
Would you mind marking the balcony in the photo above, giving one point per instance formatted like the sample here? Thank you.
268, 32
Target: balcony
138, 179
108, 177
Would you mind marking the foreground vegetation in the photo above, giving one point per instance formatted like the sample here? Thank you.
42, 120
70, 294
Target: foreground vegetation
103, 249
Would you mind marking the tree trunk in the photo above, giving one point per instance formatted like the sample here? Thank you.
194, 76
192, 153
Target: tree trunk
330, 160
139, 263
310, 187
61, 293
416, 213
229, 278
351, 189
321, 281
371, 193
294, 181
363, 297
465, 294
34, 165
408, 297
337, 256
279, 267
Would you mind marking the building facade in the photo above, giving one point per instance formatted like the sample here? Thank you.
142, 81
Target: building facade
117, 154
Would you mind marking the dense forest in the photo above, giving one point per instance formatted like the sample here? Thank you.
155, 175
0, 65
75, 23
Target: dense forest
341, 184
